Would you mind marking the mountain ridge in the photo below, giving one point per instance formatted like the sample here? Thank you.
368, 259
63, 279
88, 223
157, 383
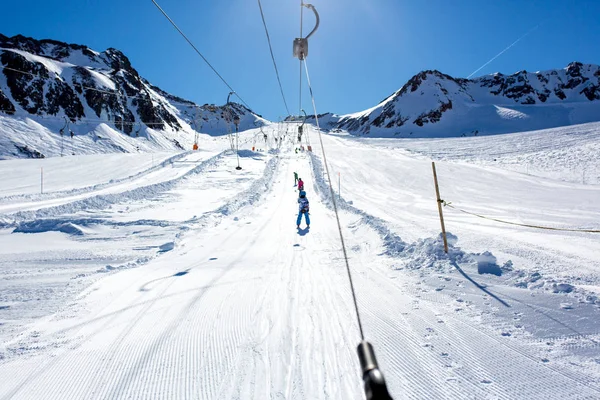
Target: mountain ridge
48, 80
432, 103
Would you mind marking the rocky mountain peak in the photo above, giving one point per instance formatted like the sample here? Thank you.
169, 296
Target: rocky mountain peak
432, 101
52, 80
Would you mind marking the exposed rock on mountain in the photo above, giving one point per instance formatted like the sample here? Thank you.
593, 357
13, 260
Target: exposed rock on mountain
51, 82
435, 104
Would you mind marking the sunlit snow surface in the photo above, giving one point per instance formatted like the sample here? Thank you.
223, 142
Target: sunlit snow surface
174, 275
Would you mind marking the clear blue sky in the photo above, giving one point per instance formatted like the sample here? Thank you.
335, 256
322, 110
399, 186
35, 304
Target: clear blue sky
364, 50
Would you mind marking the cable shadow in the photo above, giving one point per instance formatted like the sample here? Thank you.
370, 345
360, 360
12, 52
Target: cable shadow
114, 313
538, 310
144, 287
44, 367
478, 285
133, 372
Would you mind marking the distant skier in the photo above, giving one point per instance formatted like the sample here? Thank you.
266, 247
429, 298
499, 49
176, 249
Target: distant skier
303, 209
300, 184
295, 178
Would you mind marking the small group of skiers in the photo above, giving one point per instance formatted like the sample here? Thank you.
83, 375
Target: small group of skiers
303, 205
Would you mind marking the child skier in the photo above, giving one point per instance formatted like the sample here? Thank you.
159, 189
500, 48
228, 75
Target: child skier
300, 184
295, 178
303, 208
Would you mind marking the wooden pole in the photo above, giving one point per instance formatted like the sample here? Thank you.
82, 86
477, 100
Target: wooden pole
439, 203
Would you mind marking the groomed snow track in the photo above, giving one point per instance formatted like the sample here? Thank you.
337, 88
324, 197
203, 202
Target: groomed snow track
248, 307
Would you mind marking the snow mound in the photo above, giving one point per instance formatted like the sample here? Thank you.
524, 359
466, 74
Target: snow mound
49, 225
166, 247
424, 253
487, 264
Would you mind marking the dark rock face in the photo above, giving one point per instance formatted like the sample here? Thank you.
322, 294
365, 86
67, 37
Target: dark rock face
60, 96
6, 105
27, 90
354, 124
433, 116
112, 103
592, 92
29, 153
83, 84
519, 88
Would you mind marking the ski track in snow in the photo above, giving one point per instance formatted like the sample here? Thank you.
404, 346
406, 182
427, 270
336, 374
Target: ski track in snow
113, 182
502, 360
97, 199
241, 305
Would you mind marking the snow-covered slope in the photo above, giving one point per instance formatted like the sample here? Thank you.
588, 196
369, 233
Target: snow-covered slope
110, 107
187, 278
433, 104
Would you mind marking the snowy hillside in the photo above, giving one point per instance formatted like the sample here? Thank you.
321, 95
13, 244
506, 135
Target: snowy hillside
433, 104
172, 276
45, 84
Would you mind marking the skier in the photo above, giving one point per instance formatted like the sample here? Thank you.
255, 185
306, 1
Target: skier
303, 208
295, 178
300, 184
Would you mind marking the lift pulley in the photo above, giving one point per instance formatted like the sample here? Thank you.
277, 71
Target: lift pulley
375, 387
301, 44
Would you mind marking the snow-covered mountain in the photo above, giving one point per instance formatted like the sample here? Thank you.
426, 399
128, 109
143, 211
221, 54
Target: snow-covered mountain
44, 83
433, 104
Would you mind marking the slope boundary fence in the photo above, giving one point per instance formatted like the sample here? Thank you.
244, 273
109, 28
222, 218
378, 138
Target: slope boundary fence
550, 228
449, 205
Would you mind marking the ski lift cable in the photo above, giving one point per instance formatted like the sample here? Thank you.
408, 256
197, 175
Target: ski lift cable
228, 120
118, 94
92, 120
77, 84
307, 139
301, 52
335, 208
199, 53
272, 56
300, 84
114, 93
374, 383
